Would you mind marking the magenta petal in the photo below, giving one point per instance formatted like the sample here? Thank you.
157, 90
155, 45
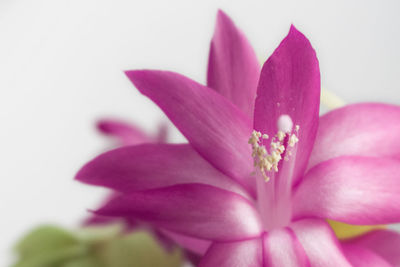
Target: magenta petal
355, 190
362, 257
148, 166
319, 243
385, 243
361, 129
198, 246
283, 249
126, 133
233, 68
290, 84
95, 219
196, 210
247, 253
213, 125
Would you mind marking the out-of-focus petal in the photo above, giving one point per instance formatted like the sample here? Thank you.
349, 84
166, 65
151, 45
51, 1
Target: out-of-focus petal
362, 257
198, 246
214, 127
351, 189
361, 129
246, 253
385, 243
148, 166
319, 243
283, 249
233, 68
290, 84
95, 219
126, 133
162, 133
196, 210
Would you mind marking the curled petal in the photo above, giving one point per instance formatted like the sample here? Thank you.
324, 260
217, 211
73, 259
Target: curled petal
355, 190
196, 210
214, 126
148, 166
370, 129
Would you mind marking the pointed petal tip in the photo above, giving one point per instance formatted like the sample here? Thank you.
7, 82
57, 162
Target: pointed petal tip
101, 122
142, 74
294, 32
84, 173
224, 21
296, 35
221, 14
107, 125
80, 175
142, 78
293, 28
126, 72
103, 125
133, 74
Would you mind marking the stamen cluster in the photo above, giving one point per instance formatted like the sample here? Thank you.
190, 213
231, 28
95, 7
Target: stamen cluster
268, 161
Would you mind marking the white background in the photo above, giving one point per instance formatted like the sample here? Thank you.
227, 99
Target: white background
61, 68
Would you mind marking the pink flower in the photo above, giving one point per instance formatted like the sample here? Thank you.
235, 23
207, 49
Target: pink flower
259, 176
125, 134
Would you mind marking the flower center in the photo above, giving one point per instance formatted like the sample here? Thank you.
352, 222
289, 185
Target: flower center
267, 161
274, 172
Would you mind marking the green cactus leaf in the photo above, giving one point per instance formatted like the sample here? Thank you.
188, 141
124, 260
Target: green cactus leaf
45, 238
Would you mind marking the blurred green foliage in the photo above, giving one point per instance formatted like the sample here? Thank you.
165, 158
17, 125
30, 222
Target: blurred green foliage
105, 246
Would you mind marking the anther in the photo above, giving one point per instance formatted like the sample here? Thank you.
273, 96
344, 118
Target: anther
293, 140
267, 161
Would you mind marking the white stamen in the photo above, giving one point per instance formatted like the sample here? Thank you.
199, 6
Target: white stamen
267, 161
281, 135
293, 140
285, 123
